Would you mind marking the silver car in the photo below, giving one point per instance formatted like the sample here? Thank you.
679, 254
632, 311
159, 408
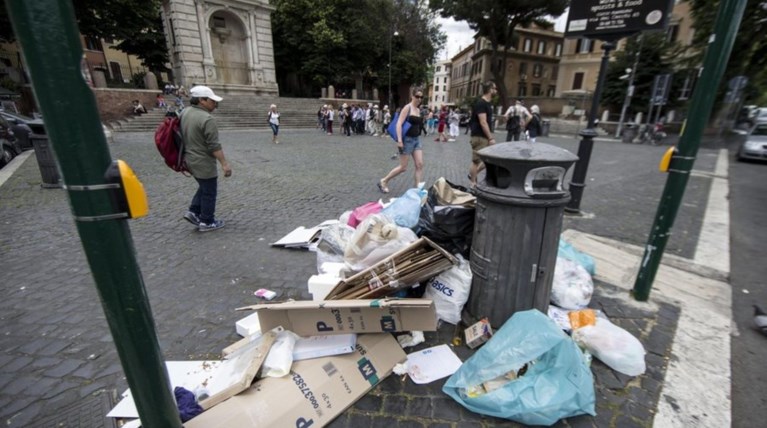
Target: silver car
755, 146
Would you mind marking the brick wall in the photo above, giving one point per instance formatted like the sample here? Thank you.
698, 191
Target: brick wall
115, 104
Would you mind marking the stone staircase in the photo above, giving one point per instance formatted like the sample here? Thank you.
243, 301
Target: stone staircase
237, 112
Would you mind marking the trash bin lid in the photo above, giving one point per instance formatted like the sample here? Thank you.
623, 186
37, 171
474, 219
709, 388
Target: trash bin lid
526, 151
525, 171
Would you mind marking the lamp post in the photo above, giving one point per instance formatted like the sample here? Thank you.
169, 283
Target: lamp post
392, 34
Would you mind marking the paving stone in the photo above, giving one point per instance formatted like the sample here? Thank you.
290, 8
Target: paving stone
446, 408
19, 384
18, 363
369, 403
64, 368
384, 422
419, 407
395, 404
407, 423
41, 385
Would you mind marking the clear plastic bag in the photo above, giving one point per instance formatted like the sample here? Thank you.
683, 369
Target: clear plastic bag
404, 211
612, 345
280, 358
569, 252
572, 287
332, 244
376, 238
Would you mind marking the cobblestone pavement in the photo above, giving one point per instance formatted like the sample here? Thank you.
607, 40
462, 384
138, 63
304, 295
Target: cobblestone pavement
56, 350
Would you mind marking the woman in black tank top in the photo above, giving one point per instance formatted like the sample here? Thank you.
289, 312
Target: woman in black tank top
408, 144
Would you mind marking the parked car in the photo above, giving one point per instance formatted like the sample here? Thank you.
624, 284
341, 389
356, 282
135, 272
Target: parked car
755, 146
9, 146
22, 126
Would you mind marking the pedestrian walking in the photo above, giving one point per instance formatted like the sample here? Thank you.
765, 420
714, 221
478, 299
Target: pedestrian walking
481, 129
386, 121
453, 118
517, 117
274, 122
441, 137
201, 151
534, 126
408, 144
329, 115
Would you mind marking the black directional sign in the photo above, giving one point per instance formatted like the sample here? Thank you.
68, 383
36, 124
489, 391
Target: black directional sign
604, 19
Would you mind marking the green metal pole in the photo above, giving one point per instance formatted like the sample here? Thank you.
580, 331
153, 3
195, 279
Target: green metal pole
51, 46
718, 52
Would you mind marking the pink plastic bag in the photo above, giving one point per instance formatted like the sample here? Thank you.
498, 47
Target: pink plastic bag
361, 212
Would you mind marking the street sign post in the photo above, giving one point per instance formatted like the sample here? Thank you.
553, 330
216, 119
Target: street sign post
600, 18
609, 21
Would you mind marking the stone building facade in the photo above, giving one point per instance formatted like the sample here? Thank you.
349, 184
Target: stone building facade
224, 44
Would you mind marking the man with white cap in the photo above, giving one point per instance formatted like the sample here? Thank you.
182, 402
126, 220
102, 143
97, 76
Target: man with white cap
201, 151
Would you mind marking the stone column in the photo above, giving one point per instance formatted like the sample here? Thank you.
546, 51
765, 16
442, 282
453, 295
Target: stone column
354, 93
324, 93
208, 65
99, 79
331, 91
150, 80
375, 94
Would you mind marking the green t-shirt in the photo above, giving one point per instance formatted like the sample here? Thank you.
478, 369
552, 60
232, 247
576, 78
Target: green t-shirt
200, 134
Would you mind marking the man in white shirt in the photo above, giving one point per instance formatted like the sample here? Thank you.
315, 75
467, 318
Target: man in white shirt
517, 116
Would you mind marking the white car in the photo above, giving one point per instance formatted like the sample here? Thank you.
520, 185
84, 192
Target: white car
755, 146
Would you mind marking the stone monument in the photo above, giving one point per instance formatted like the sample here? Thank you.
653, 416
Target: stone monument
224, 44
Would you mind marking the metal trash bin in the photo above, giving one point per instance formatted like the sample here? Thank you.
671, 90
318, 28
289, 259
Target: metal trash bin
545, 127
629, 133
518, 220
46, 161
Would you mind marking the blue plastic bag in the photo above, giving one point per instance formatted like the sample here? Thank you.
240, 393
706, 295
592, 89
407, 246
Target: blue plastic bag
558, 383
406, 209
567, 251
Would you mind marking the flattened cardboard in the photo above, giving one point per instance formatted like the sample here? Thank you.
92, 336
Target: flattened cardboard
308, 318
313, 394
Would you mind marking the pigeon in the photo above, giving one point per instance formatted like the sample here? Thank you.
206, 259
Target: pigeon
760, 319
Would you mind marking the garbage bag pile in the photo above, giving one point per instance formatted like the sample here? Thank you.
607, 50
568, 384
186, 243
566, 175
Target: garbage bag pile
533, 370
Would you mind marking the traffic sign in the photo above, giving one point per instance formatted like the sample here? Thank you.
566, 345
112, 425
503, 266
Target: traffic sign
611, 19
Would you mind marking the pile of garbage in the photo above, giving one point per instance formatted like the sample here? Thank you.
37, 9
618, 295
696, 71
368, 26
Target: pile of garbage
386, 273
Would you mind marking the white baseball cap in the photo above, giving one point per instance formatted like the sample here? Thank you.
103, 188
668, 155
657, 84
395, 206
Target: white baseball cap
204, 92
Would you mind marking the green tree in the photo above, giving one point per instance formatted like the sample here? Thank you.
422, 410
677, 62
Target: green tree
655, 57
496, 21
749, 53
344, 40
136, 23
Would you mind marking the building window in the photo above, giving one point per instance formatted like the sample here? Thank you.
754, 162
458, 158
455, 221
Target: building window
672, 32
93, 44
558, 49
444, 80
444, 89
528, 45
117, 74
522, 89
522, 68
541, 47
551, 91
536, 90
439, 68
584, 46
555, 72
689, 84
578, 80
219, 22
537, 70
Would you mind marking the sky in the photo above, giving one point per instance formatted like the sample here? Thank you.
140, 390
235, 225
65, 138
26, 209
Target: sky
459, 35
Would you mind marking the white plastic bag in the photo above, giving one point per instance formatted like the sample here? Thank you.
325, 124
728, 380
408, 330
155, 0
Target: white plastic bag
573, 287
280, 358
613, 346
450, 291
376, 238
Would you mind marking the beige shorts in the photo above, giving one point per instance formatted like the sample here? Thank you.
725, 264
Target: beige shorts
477, 144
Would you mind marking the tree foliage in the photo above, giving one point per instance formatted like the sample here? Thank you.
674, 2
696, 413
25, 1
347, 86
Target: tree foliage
339, 41
136, 23
656, 56
496, 21
749, 53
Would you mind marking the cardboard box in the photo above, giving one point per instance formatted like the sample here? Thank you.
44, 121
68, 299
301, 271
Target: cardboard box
323, 346
478, 333
313, 394
308, 318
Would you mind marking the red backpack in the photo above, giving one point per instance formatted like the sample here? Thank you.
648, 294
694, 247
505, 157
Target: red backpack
169, 142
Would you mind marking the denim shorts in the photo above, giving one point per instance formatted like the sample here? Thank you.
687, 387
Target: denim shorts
411, 144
